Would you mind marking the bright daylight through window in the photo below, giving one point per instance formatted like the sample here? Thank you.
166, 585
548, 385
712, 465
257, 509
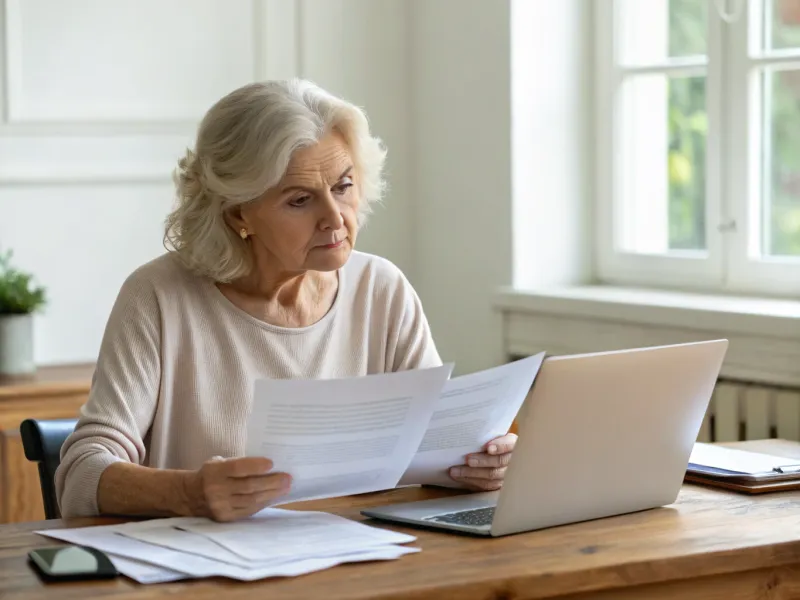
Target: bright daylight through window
699, 143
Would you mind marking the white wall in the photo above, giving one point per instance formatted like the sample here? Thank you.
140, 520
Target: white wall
86, 147
88, 138
502, 134
552, 141
460, 65
358, 48
485, 169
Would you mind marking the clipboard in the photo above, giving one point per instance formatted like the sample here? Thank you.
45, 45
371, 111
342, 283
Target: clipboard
745, 488
742, 470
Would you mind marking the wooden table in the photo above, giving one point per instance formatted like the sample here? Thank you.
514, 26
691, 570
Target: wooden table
710, 544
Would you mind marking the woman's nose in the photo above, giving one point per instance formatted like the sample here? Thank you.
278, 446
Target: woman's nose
331, 219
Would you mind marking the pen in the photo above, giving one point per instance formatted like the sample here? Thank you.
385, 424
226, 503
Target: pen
787, 469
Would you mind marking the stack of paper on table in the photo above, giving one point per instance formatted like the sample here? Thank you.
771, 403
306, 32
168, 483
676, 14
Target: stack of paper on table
366, 434
742, 470
273, 543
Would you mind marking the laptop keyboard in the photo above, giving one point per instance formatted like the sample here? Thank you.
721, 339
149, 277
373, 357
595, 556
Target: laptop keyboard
473, 518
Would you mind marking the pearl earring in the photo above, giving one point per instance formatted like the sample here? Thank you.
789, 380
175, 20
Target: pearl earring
243, 233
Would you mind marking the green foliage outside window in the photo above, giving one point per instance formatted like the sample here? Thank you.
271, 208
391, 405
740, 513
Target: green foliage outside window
784, 172
688, 126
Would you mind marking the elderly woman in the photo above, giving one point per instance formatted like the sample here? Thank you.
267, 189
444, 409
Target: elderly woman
261, 281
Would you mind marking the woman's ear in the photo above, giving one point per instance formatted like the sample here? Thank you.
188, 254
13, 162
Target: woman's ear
234, 219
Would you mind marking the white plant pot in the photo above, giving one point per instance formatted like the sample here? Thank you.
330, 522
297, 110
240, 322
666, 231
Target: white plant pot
16, 345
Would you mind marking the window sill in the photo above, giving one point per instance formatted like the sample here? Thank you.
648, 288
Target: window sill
764, 333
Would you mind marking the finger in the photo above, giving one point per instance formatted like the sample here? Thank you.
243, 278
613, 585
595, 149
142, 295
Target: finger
257, 483
224, 506
237, 514
461, 473
256, 502
484, 485
505, 443
229, 514
247, 466
487, 460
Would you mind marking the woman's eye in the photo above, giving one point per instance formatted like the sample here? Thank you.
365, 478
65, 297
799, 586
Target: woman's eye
342, 188
300, 201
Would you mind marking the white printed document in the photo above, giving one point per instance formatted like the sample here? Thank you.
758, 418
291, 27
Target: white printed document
471, 411
273, 534
167, 533
735, 460
272, 543
337, 437
197, 537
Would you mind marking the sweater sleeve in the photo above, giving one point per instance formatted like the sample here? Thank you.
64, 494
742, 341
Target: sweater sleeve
122, 402
414, 346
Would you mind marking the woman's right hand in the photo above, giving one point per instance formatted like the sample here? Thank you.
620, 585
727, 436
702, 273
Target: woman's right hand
227, 489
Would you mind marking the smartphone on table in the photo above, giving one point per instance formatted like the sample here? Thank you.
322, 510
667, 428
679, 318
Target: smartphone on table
72, 563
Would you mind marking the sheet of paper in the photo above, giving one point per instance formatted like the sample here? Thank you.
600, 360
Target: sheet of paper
274, 533
110, 541
343, 436
142, 572
181, 534
171, 561
471, 411
168, 535
738, 461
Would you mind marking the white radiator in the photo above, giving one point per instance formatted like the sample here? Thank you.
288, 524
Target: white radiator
745, 411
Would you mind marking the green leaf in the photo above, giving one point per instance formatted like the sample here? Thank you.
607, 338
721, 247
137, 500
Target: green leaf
18, 294
698, 122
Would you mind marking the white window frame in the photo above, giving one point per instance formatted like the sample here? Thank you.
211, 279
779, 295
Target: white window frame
731, 262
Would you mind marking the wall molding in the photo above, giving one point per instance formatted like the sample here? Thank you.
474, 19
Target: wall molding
12, 54
3, 64
279, 39
277, 47
85, 179
84, 129
15, 118
276, 31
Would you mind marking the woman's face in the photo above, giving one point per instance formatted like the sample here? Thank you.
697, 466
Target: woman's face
309, 221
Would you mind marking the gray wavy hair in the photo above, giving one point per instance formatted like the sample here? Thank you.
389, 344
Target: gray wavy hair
243, 147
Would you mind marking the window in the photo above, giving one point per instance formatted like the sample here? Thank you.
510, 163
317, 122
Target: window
698, 144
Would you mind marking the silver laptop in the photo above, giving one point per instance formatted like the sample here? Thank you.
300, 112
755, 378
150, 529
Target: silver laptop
599, 435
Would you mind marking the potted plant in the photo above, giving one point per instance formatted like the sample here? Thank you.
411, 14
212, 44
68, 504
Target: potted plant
19, 299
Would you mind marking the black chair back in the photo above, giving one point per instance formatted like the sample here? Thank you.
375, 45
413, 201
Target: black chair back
42, 441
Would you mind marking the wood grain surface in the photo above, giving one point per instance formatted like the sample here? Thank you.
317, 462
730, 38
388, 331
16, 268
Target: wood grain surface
710, 544
48, 381
50, 393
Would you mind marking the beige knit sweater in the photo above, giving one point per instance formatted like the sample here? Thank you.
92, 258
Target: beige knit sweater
174, 377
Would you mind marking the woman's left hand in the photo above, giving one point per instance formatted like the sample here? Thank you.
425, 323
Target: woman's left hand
484, 471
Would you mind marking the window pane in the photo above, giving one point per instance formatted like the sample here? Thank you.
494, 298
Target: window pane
781, 167
662, 173
654, 31
781, 24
